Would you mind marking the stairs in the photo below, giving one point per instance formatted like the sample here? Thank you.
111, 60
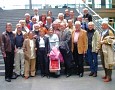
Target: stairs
2, 66
14, 16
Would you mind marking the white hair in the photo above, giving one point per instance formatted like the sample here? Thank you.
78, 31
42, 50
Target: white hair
80, 16
21, 21
90, 23
105, 22
27, 14
77, 22
60, 14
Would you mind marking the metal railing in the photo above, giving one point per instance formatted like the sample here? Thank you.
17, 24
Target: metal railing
97, 20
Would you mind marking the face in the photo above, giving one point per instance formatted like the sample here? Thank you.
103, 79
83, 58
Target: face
27, 17
9, 28
70, 23
78, 26
34, 20
30, 35
36, 27
104, 26
42, 33
67, 12
36, 11
19, 28
91, 26
22, 23
61, 17
71, 13
85, 11
49, 13
62, 27
79, 19
50, 32
49, 20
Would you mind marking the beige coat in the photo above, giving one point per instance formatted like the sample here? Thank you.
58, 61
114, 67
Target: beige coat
109, 54
95, 40
27, 48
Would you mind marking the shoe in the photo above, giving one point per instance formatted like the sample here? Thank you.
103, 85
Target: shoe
91, 74
32, 76
48, 76
77, 73
26, 77
22, 75
104, 77
68, 75
95, 75
107, 80
8, 79
14, 76
81, 75
42, 75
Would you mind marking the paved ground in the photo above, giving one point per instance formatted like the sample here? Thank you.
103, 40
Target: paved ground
61, 83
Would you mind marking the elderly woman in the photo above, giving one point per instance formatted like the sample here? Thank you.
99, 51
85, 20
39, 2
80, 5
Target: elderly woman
61, 18
43, 49
53, 38
54, 44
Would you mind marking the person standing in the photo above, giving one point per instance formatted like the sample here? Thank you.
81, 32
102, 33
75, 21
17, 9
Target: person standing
106, 51
93, 39
65, 47
8, 48
43, 49
19, 54
79, 47
29, 47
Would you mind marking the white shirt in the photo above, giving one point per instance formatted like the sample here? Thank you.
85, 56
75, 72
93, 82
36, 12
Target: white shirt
41, 43
32, 49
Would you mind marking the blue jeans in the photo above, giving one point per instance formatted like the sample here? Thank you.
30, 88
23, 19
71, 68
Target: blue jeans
92, 59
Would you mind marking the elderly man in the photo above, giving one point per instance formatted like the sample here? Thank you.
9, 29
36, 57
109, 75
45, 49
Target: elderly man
79, 47
24, 27
87, 17
105, 51
8, 48
71, 26
19, 54
65, 47
93, 39
83, 24
36, 14
27, 20
48, 22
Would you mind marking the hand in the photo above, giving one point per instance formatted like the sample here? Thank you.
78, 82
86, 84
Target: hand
48, 54
96, 51
35, 48
101, 42
4, 54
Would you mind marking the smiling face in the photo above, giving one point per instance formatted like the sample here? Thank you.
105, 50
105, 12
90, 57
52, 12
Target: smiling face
104, 26
9, 27
90, 25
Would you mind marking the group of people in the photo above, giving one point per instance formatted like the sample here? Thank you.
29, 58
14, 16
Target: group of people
29, 46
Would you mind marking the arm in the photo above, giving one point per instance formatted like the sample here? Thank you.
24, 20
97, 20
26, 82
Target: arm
3, 45
85, 42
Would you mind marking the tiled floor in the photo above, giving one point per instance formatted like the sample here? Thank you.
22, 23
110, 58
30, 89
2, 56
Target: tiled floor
61, 83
